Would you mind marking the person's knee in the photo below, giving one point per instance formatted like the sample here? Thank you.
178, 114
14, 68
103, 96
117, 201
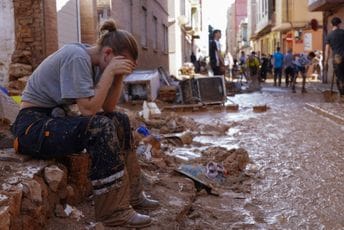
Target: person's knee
125, 119
100, 123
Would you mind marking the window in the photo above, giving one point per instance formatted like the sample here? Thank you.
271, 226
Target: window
155, 34
144, 32
165, 38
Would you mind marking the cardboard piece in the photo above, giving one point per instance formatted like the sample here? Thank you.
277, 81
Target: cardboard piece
9, 109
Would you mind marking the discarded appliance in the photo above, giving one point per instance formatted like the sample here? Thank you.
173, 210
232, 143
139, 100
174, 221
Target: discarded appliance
189, 91
203, 89
212, 89
168, 93
142, 85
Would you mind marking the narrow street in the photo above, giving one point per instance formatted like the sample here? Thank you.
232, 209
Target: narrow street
295, 179
299, 159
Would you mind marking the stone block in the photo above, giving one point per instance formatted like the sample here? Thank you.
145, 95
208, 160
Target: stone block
32, 190
14, 194
78, 166
53, 175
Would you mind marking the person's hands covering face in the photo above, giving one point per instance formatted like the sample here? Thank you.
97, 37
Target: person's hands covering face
120, 65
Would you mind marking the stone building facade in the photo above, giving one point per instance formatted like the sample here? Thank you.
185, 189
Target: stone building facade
147, 20
30, 36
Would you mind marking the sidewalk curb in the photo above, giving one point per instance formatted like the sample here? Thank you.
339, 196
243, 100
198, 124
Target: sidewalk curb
325, 113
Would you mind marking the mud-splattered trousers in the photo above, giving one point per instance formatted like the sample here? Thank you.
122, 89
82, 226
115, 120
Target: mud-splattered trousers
339, 71
105, 136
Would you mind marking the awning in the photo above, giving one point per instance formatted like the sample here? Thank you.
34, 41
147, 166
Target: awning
289, 26
324, 5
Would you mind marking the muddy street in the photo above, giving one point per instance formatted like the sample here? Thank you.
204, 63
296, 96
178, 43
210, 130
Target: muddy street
298, 157
295, 178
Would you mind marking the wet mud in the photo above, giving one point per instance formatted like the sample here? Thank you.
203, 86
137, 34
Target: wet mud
285, 167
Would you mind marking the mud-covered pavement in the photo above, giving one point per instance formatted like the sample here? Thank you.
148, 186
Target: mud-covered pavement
295, 179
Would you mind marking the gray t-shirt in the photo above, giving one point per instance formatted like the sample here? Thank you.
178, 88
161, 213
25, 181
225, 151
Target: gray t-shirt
61, 78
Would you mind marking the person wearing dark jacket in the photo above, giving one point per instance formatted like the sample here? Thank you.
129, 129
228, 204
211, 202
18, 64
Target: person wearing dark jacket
216, 59
335, 43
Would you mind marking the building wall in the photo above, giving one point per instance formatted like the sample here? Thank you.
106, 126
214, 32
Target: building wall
237, 14
88, 21
6, 38
155, 13
263, 9
49, 21
231, 33
35, 29
68, 21
240, 13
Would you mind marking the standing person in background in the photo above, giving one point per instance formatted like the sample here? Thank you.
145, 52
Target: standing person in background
335, 42
242, 65
252, 64
216, 59
242, 58
301, 65
289, 67
90, 77
278, 66
195, 62
264, 67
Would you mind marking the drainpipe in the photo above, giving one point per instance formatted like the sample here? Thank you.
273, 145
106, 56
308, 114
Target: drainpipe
78, 19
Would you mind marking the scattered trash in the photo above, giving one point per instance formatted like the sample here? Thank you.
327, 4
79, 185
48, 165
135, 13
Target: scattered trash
260, 108
143, 130
95, 226
144, 151
68, 210
196, 172
214, 170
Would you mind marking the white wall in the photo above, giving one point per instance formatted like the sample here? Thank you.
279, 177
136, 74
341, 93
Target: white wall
7, 38
68, 21
174, 38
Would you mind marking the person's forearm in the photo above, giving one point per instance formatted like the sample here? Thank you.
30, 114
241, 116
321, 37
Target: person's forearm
114, 94
92, 105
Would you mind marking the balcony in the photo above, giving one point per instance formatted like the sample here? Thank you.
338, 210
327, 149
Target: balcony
323, 5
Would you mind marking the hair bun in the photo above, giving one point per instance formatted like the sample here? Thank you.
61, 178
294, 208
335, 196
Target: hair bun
108, 26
